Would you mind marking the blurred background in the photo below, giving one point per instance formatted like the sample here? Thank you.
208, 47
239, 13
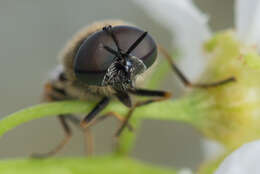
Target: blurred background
31, 35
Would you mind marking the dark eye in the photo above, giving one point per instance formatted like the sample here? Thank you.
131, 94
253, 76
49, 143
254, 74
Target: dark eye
92, 60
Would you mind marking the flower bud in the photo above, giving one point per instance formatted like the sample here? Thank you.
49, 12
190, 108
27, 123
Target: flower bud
233, 113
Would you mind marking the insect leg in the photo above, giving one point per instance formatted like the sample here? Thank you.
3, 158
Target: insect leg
52, 93
124, 98
97, 109
163, 95
110, 114
89, 140
66, 139
184, 79
73, 119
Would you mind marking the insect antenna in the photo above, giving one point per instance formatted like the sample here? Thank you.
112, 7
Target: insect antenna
118, 53
111, 50
136, 43
109, 30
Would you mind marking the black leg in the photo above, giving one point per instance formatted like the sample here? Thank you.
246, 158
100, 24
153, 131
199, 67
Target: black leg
143, 92
185, 81
111, 114
89, 119
124, 98
97, 109
163, 95
60, 146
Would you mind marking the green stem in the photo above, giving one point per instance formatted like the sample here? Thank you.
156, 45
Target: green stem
179, 110
93, 165
127, 139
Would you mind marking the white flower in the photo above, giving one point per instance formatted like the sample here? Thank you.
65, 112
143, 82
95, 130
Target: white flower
190, 28
245, 160
247, 21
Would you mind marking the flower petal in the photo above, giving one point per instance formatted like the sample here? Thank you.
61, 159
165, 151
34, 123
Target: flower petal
247, 20
244, 160
211, 149
188, 26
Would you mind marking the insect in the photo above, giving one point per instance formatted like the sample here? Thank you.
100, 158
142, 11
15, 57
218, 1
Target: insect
103, 62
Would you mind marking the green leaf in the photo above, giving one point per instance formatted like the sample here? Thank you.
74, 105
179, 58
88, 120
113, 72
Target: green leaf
91, 165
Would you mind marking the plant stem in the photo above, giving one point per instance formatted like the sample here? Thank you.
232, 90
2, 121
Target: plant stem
184, 109
94, 165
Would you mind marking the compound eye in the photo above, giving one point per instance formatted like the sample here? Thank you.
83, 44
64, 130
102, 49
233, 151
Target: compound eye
146, 50
92, 60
